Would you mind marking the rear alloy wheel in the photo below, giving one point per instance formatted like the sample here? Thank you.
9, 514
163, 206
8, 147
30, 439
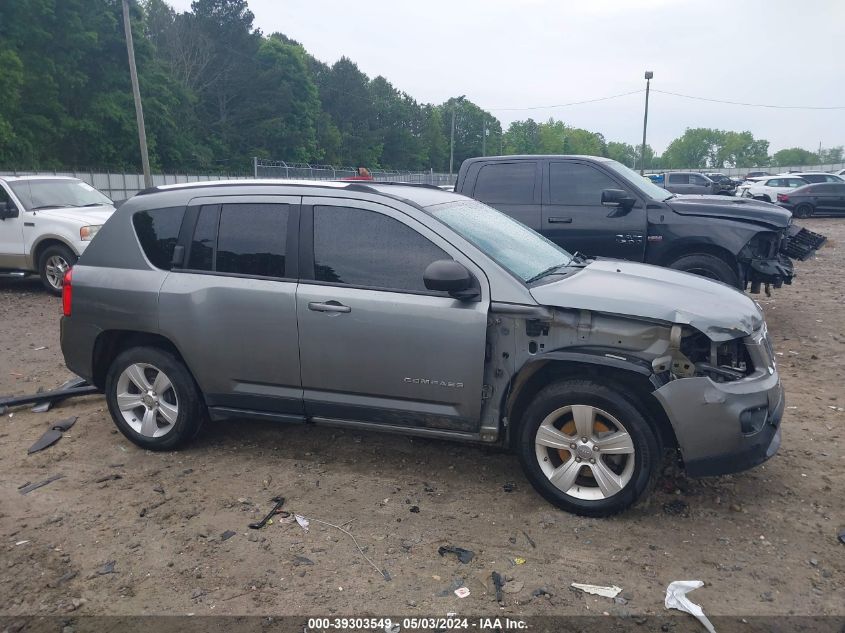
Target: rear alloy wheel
54, 262
587, 449
153, 398
708, 266
803, 211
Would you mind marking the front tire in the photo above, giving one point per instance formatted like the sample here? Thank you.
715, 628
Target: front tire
588, 449
708, 266
153, 399
52, 266
803, 211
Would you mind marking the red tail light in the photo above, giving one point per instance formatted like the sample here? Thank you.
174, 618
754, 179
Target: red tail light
782, 197
67, 292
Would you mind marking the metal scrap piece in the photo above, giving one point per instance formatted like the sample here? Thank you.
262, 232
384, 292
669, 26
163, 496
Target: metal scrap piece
29, 488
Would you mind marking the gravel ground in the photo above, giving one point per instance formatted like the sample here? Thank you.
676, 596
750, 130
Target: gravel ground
128, 532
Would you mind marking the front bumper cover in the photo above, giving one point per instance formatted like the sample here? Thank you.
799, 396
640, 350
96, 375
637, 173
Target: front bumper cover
707, 416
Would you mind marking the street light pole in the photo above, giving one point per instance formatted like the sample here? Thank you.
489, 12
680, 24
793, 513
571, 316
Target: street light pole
136, 93
452, 142
484, 136
648, 75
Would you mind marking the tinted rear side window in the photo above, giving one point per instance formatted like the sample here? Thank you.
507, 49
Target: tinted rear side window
506, 183
158, 231
678, 179
365, 248
577, 184
252, 239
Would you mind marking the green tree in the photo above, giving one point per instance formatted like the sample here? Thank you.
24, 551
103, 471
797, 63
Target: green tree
471, 121
794, 156
696, 149
522, 137
285, 106
624, 153
831, 155
740, 149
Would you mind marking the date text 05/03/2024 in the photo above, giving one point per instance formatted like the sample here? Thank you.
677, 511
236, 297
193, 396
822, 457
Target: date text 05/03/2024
390, 625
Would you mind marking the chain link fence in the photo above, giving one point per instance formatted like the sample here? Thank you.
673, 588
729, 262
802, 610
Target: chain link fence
264, 168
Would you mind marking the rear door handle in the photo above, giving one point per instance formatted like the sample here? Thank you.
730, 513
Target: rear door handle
554, 220
328, 306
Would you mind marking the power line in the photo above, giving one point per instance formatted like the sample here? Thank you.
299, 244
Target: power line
753, 105
564, 105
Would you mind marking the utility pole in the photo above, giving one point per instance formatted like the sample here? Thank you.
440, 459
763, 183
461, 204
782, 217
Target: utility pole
136, 93
648, 75
483, 136
452, 142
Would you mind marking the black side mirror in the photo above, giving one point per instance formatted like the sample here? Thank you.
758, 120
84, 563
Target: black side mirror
447, 275
8, 210
617, 198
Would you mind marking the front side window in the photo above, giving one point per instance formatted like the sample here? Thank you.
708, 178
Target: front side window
506, 183
158, 232
243, 238
511, 244
577, 184
795, 182
365, 248
697, 180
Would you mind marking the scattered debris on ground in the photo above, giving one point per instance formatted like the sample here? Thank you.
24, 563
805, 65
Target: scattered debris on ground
464, 555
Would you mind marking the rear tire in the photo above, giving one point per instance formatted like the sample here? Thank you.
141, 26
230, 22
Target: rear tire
52, 266
153, 399
708, 266
803, 211
606, 474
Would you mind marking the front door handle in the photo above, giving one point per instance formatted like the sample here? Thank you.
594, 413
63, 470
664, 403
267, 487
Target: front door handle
554, 220
328, 306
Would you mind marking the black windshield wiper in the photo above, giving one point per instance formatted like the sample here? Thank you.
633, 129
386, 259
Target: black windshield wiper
94, 204
47, 206
547, 272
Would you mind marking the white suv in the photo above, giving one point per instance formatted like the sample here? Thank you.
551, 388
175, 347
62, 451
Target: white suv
45, 224
767, 188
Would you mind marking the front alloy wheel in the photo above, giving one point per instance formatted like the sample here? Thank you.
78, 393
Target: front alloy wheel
54, 262
587, 446
585, 452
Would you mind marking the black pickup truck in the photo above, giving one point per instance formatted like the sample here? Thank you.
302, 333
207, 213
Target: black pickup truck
599, 207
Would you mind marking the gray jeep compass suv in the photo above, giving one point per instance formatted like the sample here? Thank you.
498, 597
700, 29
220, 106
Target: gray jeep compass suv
414, 310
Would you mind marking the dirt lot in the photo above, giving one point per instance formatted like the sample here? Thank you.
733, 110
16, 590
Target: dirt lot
764, 541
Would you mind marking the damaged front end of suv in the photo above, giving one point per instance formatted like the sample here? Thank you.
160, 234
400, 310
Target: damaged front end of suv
707, 366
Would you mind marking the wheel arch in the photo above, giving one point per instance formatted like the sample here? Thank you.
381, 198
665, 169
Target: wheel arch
43, 243
110, 343
679, 250
631, 377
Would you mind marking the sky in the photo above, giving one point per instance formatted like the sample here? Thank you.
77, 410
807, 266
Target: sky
529, 53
